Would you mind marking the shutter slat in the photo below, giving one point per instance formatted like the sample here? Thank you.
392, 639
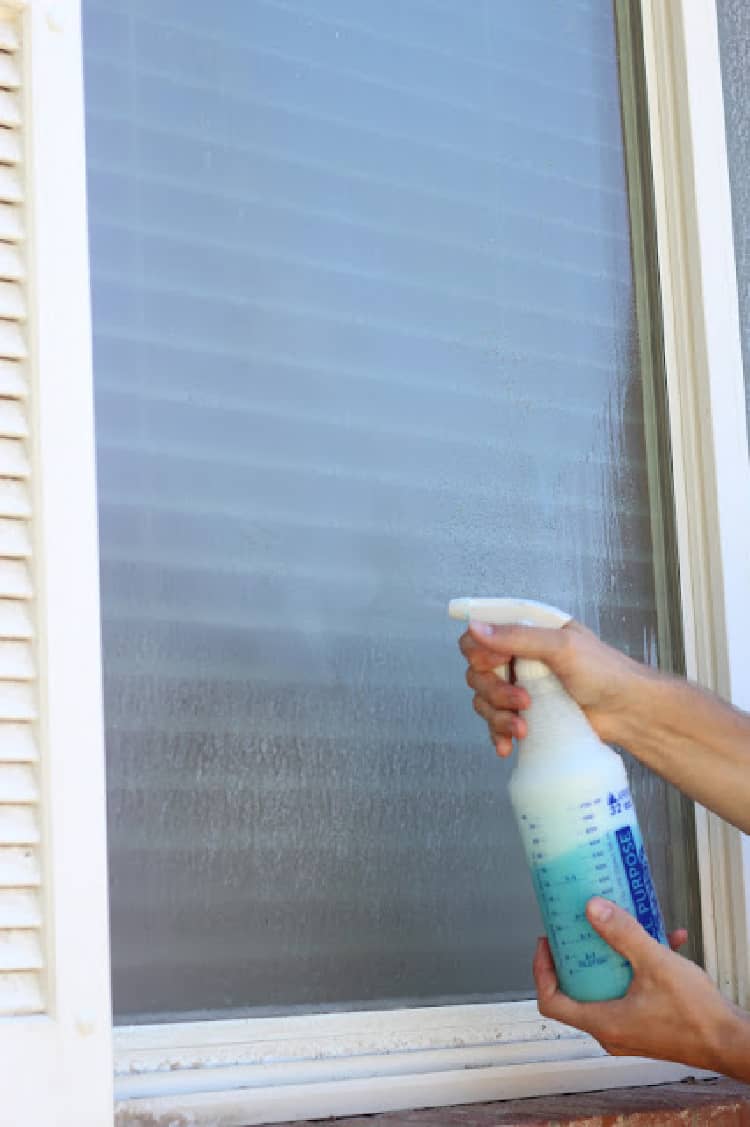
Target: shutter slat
10, 146
12, 341
17, 744
15, 620
15, 542
15, 580
11, 190
16, 662
11, 223
20, 950
13, 422
18, 826
8, 35
10, 72
16, 703
10, 109
11, 266
19, 867
20, 994
18, 784
14, 462
13, 380
12, 304
19, 907
15, 500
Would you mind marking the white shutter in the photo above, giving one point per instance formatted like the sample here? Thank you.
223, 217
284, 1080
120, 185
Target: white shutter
55, 1026
21, 946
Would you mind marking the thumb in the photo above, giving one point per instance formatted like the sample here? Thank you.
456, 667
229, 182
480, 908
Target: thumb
621, 931
519, 641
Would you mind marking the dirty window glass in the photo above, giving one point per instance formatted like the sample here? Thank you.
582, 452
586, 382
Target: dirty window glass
365, 339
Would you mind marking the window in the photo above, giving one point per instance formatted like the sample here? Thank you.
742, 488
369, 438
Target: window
364, 335
376, 320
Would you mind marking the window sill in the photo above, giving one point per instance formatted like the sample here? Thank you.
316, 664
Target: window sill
723, 1103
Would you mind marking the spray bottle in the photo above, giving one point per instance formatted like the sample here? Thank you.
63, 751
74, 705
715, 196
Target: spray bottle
575, 813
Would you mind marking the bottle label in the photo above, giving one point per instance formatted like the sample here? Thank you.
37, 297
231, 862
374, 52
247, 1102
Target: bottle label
633, 854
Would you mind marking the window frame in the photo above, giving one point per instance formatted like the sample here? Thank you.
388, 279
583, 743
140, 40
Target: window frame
706, 398
273, 1069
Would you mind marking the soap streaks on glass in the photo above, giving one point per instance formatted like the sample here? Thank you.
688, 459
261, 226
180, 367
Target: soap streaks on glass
364, 336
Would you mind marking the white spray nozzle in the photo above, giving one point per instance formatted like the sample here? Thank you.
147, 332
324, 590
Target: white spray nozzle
511, 612
508, 612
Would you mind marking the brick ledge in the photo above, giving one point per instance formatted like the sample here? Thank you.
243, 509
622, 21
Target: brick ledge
720, 1103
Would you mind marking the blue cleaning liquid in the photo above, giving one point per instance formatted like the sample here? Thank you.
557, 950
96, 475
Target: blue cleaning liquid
613, 865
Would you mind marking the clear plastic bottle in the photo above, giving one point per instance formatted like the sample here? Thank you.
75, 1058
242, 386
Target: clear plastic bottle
576, 816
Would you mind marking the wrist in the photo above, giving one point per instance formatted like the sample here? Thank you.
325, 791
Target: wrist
634, 707
728, 1044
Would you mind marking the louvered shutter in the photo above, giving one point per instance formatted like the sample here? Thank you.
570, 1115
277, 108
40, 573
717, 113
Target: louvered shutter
55, 1063
21, 959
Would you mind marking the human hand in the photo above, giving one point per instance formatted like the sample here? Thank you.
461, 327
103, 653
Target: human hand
672, 1010
600, 679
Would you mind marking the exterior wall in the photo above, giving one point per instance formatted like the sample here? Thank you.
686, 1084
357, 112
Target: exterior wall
734, 39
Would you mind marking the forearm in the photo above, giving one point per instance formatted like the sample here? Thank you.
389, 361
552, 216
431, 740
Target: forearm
697, 742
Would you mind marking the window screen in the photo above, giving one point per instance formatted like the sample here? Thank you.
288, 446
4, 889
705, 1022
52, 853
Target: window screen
364, 339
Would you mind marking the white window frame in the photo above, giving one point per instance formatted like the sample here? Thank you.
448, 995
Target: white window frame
241, 1072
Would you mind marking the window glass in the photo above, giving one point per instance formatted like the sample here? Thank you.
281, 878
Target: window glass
365, 339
